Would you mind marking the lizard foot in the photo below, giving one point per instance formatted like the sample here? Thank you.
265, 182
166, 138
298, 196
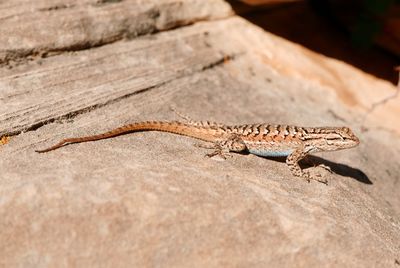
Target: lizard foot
315, 177
311, 163
220, 153
181, 115
327, 168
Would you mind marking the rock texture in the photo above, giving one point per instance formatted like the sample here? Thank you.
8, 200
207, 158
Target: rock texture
153, 199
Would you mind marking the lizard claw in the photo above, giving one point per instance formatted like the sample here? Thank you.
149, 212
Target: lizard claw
220, 154
327, 168
181, 115
316, 177
319, 179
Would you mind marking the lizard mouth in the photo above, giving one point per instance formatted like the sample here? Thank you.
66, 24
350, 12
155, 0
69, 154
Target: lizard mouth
352, 142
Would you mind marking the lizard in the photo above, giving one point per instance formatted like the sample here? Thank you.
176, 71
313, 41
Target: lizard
265, 140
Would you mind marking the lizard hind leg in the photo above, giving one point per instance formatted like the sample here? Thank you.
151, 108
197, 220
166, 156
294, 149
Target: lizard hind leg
185, 117
188, 120
231, 144
218, 151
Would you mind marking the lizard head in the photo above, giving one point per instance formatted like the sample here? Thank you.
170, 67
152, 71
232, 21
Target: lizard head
332, 139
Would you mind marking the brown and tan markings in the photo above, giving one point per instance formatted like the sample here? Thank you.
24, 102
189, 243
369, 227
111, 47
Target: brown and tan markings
292, 142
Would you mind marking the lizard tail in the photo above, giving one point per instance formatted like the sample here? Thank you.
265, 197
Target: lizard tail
198, 132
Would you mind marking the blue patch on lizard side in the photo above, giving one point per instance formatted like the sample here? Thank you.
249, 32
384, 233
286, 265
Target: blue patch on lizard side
270, 153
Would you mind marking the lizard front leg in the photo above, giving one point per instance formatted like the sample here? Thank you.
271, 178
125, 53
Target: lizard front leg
232, 144
293, 162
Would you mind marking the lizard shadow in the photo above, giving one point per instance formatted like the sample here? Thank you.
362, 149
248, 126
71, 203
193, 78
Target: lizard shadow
337, 168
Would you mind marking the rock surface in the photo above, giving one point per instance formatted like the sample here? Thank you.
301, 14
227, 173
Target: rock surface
153, 199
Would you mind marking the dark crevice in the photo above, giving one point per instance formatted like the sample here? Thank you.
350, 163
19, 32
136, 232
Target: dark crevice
73, 114
19, 57
56, 7
222, 60
103, 2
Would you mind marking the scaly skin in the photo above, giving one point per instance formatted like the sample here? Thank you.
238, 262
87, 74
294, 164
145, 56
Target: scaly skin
259, 139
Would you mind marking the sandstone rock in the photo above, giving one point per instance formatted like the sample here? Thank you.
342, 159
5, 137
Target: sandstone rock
153, 199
